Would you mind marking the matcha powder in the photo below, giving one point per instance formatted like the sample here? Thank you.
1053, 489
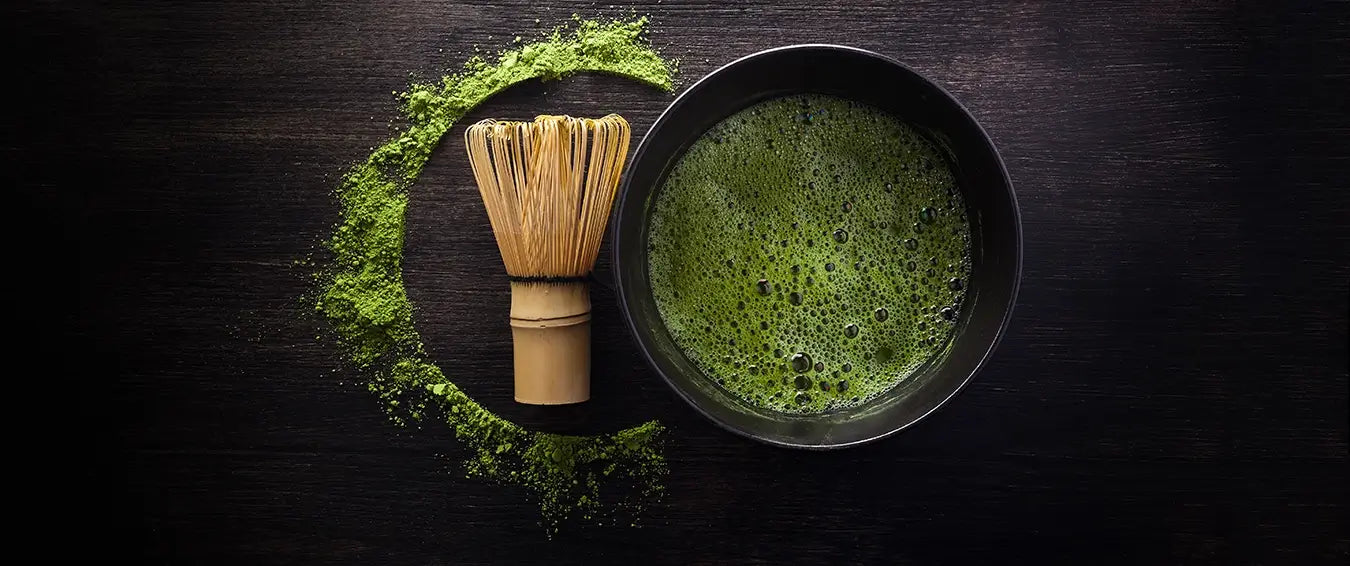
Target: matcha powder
362, 296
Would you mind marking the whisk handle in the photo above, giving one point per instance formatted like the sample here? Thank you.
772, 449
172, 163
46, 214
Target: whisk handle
551, 331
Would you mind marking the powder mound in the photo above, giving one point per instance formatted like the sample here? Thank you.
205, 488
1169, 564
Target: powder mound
361, 292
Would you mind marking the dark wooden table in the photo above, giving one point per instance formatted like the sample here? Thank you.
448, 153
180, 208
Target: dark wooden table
1173, 387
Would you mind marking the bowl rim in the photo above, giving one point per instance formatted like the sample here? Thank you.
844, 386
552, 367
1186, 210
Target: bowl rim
622, 293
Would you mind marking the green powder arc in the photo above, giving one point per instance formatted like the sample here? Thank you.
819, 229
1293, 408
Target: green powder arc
362, 296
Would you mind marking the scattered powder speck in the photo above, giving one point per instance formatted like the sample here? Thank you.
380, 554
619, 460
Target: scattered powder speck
361, 292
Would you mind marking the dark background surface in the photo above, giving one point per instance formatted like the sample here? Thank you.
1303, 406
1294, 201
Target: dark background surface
1173, 386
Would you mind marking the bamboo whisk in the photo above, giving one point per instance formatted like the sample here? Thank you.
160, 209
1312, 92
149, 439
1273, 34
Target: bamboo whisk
548, 186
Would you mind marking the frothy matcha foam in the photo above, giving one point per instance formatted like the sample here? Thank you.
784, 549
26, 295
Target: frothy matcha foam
809, 253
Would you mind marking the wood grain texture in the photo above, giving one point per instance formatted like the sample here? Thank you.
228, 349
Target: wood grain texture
1173, 387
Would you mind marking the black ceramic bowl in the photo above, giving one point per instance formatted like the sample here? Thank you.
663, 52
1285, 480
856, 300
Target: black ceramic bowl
996, 235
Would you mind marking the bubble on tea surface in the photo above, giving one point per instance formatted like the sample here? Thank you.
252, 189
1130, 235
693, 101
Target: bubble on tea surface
801, 362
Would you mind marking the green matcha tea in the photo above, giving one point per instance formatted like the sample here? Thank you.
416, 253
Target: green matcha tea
809, 253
